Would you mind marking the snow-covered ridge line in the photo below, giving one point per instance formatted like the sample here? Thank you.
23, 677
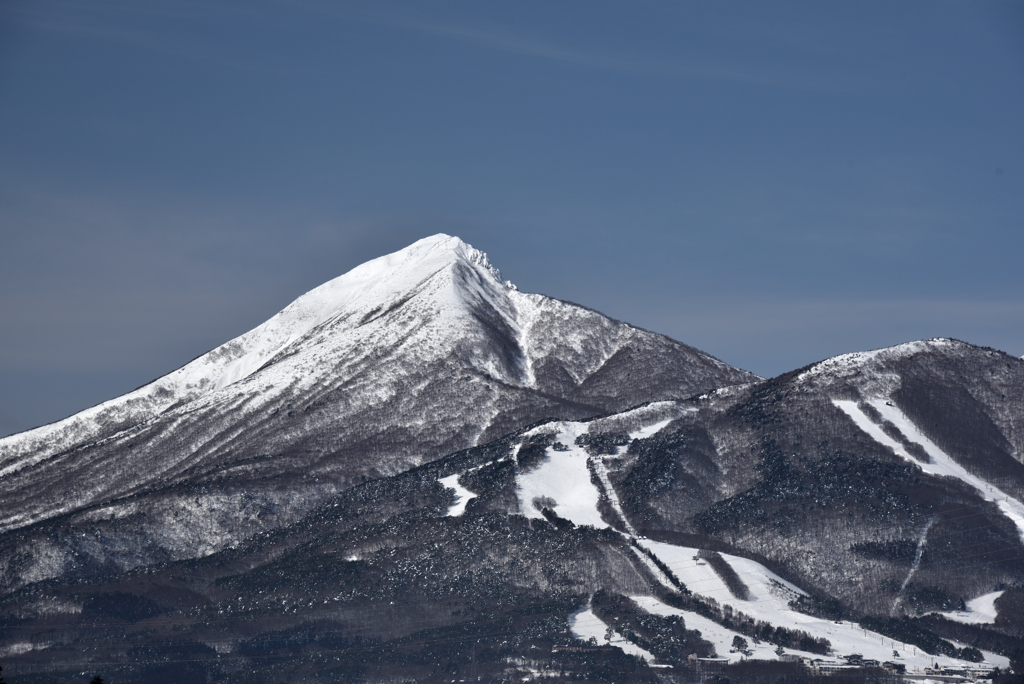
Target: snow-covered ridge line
368, 287
942, 463
846, 363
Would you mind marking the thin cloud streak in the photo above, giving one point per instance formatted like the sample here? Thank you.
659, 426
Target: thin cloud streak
618, 62
621, 63
511, 44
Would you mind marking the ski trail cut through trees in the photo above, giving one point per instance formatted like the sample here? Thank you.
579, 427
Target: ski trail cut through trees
563, 483
913, 566
942, 463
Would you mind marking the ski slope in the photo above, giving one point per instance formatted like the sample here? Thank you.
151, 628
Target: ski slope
980, 611
585, 625
564, 479
942, 464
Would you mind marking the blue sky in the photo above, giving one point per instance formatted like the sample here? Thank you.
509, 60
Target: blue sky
774, 183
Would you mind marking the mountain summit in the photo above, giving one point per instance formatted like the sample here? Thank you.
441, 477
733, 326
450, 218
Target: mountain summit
400, 361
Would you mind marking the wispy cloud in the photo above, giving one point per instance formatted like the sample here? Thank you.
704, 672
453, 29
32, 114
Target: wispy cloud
509, 42
622, 62
138, 25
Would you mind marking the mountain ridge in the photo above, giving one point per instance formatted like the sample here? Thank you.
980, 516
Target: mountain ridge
403, 359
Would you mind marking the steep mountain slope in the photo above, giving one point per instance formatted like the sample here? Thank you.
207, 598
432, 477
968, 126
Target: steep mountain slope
400, 361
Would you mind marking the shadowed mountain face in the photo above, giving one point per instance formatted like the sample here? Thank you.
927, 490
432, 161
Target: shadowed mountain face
415, 472
402, 360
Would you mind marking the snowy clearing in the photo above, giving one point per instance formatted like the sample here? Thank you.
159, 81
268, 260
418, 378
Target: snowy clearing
980, 611
714, 632
462, 495
565, 479
650, 430
584, 625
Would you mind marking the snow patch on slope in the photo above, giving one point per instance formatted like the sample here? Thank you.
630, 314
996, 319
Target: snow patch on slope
564, 476
462, 495
650, 430
564, 479
721, 637
980, 611
585, 625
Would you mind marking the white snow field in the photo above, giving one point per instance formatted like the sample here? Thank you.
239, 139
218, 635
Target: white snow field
980, 610
564, 478
462, 495
942, 464
714, 632
769, 599
584, 625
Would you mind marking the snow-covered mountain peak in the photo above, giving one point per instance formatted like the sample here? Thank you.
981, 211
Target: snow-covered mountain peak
386, 279
403, 359
400, 272
441, 272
